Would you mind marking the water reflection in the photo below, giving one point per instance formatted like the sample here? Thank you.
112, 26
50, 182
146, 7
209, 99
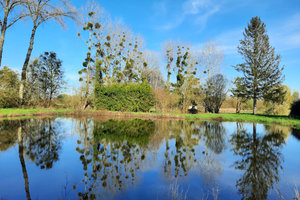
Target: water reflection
296, 133
8, 134
37, 140
117, 150
260, 161
113, 155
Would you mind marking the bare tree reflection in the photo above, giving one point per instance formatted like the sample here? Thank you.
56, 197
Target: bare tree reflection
113, 153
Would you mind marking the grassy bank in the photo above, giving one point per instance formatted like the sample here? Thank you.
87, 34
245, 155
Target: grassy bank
15, 112
5, 113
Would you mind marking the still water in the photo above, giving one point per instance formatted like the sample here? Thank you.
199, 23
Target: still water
84, 158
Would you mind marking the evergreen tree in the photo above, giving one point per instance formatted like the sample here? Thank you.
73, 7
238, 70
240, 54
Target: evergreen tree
261, 70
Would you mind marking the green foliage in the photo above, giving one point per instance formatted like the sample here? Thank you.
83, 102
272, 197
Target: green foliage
132, 97
44, 79
135, 131
280, 108
9, 84
261, 70
295, 109
296, 96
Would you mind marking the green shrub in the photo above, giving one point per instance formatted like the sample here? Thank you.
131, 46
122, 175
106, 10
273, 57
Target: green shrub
131, 97
295, 109
9, 85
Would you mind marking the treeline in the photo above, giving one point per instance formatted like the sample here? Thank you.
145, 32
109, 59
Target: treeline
39, 12
120, 74
118, 68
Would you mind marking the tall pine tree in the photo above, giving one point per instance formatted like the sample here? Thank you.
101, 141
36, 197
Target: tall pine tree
262, 73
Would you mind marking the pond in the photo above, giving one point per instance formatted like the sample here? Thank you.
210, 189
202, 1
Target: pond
91, 158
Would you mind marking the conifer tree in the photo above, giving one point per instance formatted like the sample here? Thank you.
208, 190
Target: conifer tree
262, 74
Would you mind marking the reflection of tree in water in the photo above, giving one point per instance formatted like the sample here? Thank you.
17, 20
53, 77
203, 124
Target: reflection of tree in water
260, 160
284, 131
214, 141
196, 144
112, 155
36, 138
213, 134
43, 142
8, 134
296, 133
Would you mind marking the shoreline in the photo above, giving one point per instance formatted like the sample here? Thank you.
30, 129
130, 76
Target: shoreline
274, 119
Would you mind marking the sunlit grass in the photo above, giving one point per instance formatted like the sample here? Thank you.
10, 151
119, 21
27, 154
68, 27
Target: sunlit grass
7, 112
279, 119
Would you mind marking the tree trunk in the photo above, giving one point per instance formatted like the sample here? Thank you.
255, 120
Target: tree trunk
3, 31
254, 105
168, 80
24, 69
238, 107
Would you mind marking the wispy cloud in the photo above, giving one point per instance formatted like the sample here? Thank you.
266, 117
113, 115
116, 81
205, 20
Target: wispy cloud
286, 34
193, 7
199, 10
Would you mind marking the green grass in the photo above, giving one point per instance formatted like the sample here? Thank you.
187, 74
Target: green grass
11, 112
285, 120
246, 117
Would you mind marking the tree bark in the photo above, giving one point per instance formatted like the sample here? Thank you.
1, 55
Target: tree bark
254, 105
238, 107
24, 69
3, 31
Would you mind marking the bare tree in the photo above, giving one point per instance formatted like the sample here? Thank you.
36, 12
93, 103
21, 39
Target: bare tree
91, 18
41, 11
151, 71
169, 54
9, 18
211, 58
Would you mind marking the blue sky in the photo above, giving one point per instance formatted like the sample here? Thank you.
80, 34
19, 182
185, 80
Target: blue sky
194, 21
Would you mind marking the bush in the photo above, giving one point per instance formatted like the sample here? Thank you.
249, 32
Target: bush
215, 93
131, 97
295, 109
9, 85
165, 101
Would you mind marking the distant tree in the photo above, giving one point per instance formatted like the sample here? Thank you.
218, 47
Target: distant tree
296, 96
262, 74
168, 51
49, 76
282, 108
41, 11
10, 14
214, 93
181, 59
239, 93
211, 58
32, 93
9, 83
150, 70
